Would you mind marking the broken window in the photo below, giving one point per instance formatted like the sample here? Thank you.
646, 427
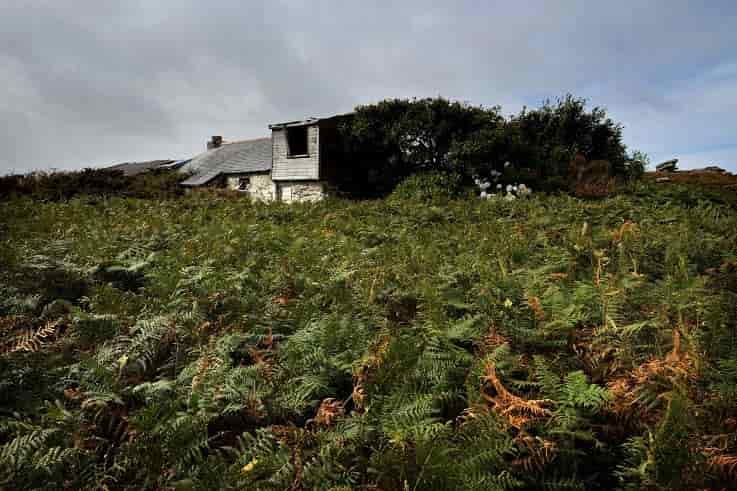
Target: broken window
297, 141
244, 183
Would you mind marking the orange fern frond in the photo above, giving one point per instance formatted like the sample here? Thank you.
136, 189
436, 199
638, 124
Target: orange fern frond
329, 410
363, 373
517, 411
536, 307
493, 339
721, 463
539, 453
32, 339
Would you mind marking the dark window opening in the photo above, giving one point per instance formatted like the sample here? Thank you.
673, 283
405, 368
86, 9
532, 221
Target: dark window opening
244, 183
297, 141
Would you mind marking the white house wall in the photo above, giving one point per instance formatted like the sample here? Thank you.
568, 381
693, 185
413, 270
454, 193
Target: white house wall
261, 186
300, 191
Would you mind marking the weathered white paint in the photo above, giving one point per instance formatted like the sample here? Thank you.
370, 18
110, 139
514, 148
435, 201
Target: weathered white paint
286, 168
261, 187
300, 191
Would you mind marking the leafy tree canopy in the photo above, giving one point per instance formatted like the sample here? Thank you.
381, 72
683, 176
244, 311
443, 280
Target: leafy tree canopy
395, 138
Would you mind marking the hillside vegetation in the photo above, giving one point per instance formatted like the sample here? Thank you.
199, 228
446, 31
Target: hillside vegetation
206, 342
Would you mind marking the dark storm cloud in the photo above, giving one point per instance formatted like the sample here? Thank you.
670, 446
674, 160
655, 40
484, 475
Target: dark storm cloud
91, 83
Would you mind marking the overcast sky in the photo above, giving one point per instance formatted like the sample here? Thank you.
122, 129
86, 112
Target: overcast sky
92, 83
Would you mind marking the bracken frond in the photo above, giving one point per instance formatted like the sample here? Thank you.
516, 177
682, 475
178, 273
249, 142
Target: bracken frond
30, 339
538, 453
517, 411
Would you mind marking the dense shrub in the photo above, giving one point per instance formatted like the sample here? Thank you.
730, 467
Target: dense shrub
429, 187
56, 186
554, 133
395, 138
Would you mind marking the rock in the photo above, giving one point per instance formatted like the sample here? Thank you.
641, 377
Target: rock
662, 179
667, 166
713, 168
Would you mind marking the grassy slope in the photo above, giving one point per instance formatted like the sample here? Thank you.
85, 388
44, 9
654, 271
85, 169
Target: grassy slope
208, 342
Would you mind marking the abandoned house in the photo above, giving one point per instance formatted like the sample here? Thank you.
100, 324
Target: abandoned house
243, 165
299, 162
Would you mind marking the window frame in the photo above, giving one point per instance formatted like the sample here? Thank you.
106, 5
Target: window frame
241, 180
292, 130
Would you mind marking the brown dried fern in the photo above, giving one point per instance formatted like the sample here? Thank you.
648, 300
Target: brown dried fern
539, 453
518, 412
536, 307
365, 371
204, 365
677, 370
31, 339
493, 339
722, 463
330, 409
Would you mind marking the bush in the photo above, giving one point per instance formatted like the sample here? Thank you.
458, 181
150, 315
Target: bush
60, 186
636, 165
554, 133
429, 187
396, 138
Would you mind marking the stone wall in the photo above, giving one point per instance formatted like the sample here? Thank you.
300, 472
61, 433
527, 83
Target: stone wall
261, 186
287, 168
300, 191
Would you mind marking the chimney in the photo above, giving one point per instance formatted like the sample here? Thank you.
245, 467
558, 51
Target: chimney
215, 142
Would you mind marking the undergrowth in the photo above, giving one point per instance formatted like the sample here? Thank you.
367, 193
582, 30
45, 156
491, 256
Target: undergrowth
212, 343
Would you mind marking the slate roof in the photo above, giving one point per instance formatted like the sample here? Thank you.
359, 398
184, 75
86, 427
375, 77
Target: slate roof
231, 158
309, 121
133, 168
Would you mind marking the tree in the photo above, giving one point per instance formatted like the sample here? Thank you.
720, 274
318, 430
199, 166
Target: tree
395, 138
553, 134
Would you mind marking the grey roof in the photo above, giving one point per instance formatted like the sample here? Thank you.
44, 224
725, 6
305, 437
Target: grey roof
231, 158
309, 121
133, 168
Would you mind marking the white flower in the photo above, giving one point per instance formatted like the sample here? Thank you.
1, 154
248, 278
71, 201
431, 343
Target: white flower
485, 185
522, 188
483, 194
498, 186
509, 188
507, 164
495, 173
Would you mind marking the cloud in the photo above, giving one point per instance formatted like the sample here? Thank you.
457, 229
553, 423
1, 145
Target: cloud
96, 82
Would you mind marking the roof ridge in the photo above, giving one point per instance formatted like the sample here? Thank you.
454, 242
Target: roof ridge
247, 141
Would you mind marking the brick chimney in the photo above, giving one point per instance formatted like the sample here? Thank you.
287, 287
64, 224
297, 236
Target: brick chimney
215, 142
